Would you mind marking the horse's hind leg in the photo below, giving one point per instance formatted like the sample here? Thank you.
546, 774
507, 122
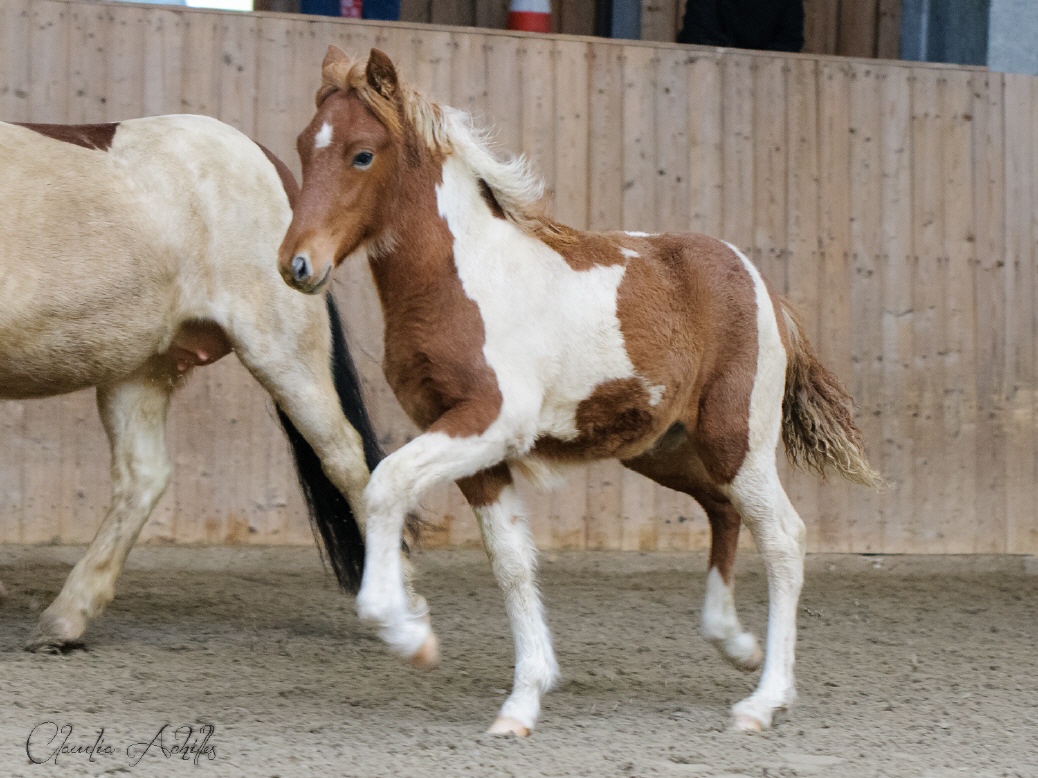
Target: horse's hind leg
134, 416
678, 467
720, 624
779, 535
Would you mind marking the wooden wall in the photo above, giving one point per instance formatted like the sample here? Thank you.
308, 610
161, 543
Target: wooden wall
894, 203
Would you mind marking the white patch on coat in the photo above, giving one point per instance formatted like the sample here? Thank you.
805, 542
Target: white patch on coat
552, 333
629, 253
323, 138
656, 392
635, 234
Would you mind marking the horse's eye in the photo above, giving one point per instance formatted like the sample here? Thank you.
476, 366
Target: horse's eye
363, 160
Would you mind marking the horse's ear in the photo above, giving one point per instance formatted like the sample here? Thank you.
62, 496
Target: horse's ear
334, 72
381, 74
334, 56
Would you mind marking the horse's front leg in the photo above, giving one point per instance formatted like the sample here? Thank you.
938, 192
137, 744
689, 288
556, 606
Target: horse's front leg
134, 416
396, 485
506, 536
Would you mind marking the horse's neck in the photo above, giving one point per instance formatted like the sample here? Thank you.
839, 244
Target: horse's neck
418, 247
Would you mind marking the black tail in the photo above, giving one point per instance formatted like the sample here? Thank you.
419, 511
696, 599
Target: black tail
330, 512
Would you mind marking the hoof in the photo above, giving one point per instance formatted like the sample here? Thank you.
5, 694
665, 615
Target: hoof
50, 644
54, 635
742, 722
428, 656
506, 726
750, 663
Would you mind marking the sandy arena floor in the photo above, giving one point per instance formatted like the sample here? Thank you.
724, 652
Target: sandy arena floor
907, 667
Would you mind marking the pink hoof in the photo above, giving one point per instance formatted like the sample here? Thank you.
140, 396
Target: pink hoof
751, 663
741, 722
428, 656
506, 726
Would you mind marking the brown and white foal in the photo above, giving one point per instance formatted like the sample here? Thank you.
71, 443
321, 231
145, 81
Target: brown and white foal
517, 343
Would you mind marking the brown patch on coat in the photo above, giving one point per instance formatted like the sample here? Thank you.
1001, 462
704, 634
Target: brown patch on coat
90, 136
615, 416
488, 197
484, 488
288, 180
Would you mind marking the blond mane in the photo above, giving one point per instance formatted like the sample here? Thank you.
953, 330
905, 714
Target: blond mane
451, 131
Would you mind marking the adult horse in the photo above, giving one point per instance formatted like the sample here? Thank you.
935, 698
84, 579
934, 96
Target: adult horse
132, 253
518, 342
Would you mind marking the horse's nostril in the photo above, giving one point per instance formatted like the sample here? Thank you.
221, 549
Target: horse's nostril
300, 267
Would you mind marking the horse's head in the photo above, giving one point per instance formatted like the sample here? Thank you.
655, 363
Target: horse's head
351, 157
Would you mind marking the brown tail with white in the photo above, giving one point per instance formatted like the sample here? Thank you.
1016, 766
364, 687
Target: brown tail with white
818, 426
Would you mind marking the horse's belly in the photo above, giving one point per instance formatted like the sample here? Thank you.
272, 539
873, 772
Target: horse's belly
42, 371
39, 359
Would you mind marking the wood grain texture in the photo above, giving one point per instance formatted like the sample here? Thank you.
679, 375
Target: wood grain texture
893, 203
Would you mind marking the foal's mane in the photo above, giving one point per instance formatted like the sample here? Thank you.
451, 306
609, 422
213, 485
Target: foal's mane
450, 131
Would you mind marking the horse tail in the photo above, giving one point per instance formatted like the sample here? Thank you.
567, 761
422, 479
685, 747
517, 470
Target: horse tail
331, 516
818, 427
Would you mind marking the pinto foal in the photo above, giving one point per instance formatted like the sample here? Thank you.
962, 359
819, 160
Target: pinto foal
517, 343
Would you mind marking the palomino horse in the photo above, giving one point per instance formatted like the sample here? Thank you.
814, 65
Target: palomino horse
518, 343
131, 253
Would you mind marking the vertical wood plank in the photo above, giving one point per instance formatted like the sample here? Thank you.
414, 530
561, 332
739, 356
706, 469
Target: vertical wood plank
671, 119
737, 149
572, 150
992, 386
834, 341
639, 140
802, 230
87, 63
705, 147
928, 296
769, 171
1020, 119
504, 91
959, 331
15, 25
48, 58
124, 90
538, 108
899, 401
865, 531
163, 62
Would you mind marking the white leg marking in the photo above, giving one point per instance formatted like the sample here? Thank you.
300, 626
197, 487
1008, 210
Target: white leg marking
506, 536
394, 489
777, 529
721, 625
323, 138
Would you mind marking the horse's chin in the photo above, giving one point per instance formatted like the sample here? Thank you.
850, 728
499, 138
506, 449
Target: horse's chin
319, 286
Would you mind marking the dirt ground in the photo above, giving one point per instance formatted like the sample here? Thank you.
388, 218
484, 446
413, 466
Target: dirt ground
907, 667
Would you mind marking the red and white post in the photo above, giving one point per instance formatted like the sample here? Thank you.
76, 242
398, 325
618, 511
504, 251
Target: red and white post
529, 15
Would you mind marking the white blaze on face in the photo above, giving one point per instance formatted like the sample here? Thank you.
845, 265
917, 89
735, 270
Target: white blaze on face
323, 137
